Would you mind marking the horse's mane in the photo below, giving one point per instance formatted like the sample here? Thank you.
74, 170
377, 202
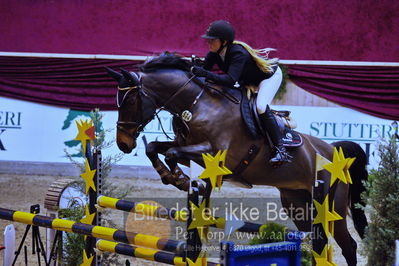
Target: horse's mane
165, 60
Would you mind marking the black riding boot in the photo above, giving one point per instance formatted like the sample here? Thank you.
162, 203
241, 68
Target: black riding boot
269, 125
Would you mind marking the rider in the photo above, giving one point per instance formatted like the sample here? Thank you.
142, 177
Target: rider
242, 66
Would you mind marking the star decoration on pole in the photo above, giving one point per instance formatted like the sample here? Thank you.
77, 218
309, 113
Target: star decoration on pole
347, 166
201, 260
201, 219
336, 168
215, 168
324, 216
88, 177
85, 132
331, 229
89, 217
86, 260
322, 259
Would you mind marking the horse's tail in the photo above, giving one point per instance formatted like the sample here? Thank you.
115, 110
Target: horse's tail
358, 173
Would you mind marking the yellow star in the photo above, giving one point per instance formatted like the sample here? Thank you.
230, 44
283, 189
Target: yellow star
82, 135
346, 169
203, 233
324, 216
89, 217
200, 216
322, 259
336, 215
201, 260
214, 168
336, 168
347, 165
88, 177
86, 261
222, 160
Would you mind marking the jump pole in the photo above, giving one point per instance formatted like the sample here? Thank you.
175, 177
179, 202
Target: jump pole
166, 213
106, 233
142, 253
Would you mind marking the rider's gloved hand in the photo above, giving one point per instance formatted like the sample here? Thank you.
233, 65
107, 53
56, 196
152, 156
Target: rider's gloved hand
199, 71
221, 79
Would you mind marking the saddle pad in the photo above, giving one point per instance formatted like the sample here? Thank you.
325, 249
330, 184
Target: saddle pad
291, 138
248, 117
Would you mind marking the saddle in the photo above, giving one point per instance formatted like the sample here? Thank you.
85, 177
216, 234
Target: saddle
286, 124
250, 117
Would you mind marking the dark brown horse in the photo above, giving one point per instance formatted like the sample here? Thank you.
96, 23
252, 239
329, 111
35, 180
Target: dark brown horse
166, 83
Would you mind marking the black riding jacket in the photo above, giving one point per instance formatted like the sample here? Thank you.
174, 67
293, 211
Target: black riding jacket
238, 66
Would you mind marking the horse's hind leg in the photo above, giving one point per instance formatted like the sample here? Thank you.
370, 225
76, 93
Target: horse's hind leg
297, 205
342, 236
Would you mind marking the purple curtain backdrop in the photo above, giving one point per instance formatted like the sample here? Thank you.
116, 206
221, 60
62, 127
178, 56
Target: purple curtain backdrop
371, 90
349, 30
83, 83
342, 30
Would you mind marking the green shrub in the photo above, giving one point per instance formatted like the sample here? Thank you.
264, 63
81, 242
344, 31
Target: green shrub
382, 198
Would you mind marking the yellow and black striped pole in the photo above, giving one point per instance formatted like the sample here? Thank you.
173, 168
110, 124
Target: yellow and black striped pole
112, 234
142, 253
166, 213
138, 252
141, 208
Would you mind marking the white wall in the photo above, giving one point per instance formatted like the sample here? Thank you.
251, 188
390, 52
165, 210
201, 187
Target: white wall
34, 132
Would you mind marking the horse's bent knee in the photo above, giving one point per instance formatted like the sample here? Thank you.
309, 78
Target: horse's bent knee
151, 150
171, 154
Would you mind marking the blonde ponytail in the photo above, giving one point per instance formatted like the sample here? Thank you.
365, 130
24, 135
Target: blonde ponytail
260, 56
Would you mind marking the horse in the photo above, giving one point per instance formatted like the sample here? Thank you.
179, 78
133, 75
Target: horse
207, 120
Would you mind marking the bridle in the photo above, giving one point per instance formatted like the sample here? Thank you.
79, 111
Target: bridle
120, 125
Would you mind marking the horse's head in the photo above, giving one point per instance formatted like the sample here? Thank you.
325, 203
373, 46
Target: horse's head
164, 78
135, 109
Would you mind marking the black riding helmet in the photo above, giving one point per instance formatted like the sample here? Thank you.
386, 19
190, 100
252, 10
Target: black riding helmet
220, 29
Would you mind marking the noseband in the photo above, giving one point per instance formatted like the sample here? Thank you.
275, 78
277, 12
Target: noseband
120, 126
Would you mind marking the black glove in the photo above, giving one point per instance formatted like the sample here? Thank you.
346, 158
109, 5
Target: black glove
221, 79
199, 71
196, 61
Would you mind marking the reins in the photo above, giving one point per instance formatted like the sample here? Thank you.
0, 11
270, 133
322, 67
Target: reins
228, 96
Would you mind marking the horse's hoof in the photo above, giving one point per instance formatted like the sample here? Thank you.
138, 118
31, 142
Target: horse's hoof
165, 181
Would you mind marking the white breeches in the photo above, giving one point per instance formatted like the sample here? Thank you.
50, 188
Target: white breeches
267, 90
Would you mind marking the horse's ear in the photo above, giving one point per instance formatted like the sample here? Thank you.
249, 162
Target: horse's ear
115, 75
132, 80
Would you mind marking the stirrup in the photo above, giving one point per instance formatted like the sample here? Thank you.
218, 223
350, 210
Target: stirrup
281, 156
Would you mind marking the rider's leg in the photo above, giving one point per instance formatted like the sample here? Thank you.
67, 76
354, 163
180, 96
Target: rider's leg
269, 124
267, 89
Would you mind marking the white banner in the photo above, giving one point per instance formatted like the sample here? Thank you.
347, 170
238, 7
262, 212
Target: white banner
42, 133
338, 123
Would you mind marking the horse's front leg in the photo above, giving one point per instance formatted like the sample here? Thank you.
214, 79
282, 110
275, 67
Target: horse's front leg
180, 154
152, 150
